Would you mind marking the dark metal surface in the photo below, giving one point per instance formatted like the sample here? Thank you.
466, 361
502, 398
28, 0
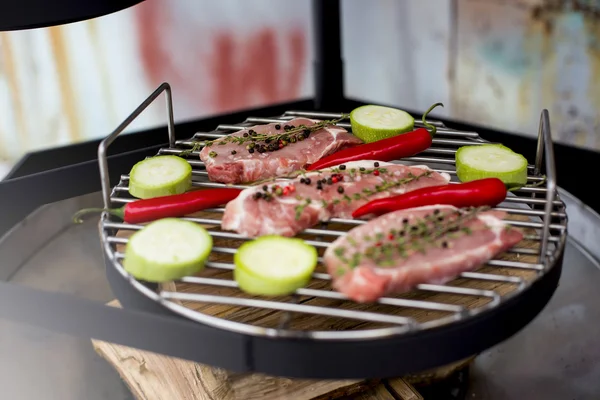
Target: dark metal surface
328, 63
29, 14
19, 197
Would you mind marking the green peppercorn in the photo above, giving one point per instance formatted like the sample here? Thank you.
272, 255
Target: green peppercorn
362, 169
212, 154
279, 191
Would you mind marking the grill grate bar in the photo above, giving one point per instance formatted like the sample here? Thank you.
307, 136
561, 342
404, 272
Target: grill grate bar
337, 296
299, 308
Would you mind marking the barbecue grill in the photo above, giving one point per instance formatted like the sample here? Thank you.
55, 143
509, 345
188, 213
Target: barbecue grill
435, 325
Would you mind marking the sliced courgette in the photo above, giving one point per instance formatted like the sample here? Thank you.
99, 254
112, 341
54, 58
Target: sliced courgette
274, 265
160, 176
491, 161
167, 249
372, 123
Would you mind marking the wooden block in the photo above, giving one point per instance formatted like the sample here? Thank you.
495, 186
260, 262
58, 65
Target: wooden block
152, 376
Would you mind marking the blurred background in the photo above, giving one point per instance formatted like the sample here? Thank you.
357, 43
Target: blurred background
491, 62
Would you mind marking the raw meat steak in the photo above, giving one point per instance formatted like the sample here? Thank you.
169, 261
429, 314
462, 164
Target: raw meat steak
400, 250
321, 195
230, 162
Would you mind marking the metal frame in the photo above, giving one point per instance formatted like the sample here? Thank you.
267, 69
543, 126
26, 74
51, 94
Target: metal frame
403, 329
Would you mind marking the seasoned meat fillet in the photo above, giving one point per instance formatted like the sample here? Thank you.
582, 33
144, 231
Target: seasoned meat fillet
229, 160
288, 206
400, 250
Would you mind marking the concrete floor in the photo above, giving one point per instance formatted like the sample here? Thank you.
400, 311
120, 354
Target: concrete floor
36, 364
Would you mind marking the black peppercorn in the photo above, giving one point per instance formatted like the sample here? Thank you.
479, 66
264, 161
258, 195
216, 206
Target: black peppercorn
376, 164
265, 188
342, 167
257, 195
252, 132
329, 181
436, 211
306, 133
302, 180
340, 189
251, 151
245, 134
233, 152
445, 245
277, 126
307, 181
319, 186
405, 221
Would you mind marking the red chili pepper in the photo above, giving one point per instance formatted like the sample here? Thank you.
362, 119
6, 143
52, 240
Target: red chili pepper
147, 210
394, 148
482, 192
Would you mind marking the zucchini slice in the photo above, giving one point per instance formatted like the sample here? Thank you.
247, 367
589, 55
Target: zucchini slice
160, 176
166, 250
491, 161
372, 123
274, 265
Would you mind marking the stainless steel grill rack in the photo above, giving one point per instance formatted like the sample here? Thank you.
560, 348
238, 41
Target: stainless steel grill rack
537, 209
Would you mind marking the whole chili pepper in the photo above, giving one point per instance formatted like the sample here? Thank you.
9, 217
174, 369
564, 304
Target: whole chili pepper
482, 192
393, 148
147, 210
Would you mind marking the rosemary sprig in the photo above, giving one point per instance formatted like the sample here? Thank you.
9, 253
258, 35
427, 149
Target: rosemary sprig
285, 136
197, 146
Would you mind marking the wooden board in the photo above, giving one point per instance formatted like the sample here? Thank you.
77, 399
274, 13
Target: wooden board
221, 385
152, 376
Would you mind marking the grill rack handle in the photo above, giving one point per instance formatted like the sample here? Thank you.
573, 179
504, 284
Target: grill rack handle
104, 144
545, 152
